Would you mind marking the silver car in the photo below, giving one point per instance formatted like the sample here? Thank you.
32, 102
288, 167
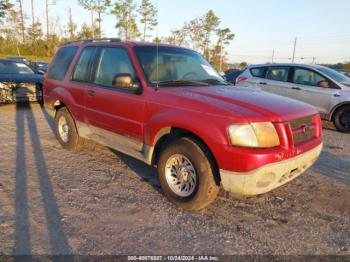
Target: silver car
322, 87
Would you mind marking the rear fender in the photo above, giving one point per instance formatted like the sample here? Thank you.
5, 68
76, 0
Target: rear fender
61, 95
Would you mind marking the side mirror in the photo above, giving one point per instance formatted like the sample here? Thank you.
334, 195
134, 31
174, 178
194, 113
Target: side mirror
323, 84
125, 81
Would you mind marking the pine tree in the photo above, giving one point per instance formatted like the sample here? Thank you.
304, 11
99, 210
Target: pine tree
210, 24
126, 23
148, 13
90, 5
5, 7
225, 36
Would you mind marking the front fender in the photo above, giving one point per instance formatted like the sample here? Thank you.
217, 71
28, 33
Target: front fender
209, 128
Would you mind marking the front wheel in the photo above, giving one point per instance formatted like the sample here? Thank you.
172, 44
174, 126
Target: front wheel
342, 119
186, 175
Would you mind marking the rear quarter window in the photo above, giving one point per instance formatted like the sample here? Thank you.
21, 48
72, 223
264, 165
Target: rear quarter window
61, 62
81, 71
258, 71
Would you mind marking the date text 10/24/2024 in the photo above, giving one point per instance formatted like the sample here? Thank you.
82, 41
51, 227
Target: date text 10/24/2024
173, 258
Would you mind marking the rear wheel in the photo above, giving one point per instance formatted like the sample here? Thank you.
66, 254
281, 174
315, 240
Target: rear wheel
342, 119
66, 131
186, 175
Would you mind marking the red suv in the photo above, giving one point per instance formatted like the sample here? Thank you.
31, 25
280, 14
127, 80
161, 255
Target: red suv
168, 107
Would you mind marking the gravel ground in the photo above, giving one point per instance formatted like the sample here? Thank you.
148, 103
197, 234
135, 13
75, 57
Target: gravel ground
97, 201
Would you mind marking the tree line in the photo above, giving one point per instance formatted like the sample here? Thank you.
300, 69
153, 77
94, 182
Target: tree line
22, 34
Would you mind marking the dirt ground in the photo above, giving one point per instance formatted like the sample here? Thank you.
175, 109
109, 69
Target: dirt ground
97, 201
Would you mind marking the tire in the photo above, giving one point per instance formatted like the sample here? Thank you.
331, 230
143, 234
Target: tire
341, 119
196, 173
66, 131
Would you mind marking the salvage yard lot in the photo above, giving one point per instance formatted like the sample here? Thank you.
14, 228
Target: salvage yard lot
98, 201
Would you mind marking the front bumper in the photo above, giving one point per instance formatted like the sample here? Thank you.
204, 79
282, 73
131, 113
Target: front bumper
268, 177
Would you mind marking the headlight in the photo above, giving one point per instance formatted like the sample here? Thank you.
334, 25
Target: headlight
259, 135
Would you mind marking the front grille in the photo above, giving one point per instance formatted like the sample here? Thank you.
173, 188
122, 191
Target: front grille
303, 129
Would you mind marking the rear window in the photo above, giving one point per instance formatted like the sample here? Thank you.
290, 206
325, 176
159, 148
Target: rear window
61, 62
258, 71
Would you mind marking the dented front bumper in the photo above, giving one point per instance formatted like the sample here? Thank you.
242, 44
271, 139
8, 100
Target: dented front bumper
270, 176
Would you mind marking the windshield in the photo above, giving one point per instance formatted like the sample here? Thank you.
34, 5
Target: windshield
343, 79
171, 66
42, 64
14, 68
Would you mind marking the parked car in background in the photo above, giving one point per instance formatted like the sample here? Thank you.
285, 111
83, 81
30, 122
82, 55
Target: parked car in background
231, 75
345, 73
39, 67
19, 59
168, 107
18, 83
322, 87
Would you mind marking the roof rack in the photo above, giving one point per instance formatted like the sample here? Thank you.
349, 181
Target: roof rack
94, 40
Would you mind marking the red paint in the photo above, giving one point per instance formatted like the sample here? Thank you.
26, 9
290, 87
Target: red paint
205, 111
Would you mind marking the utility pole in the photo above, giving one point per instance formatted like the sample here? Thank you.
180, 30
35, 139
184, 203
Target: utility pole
70, 25
273, 56
22, 19
32, 13
33, 28
295, 44
314, 60
47, 19
92, 23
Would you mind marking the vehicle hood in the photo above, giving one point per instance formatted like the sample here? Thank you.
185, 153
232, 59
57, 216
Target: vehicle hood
21, 78
243, 104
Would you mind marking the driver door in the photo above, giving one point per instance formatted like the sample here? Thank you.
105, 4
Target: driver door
112, 108
306, 87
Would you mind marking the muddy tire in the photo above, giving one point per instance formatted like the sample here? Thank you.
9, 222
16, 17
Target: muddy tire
66, 131
186, 174
341, 119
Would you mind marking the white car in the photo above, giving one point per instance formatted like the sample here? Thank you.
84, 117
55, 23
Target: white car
322, 87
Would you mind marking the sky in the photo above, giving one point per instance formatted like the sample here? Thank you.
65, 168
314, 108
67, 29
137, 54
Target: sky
262, 28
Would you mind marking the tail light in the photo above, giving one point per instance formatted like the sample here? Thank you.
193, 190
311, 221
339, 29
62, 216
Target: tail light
241, 79
317, 120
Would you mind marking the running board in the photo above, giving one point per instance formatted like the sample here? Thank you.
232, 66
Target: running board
117, 142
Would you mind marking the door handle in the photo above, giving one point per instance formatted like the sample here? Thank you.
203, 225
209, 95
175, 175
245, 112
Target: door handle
263, 83
296, 88
91, 92
336, 95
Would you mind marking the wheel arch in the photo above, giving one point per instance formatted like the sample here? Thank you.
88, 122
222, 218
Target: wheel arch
168, 134
336, 108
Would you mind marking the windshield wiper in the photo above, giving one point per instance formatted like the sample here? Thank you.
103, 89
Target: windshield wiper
215, 81
182, 82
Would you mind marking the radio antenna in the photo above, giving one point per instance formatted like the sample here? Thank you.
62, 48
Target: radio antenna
157, 50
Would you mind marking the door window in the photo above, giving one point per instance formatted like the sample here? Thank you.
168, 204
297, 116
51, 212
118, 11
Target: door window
112, 63
81, 73
307, 77
278, 73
